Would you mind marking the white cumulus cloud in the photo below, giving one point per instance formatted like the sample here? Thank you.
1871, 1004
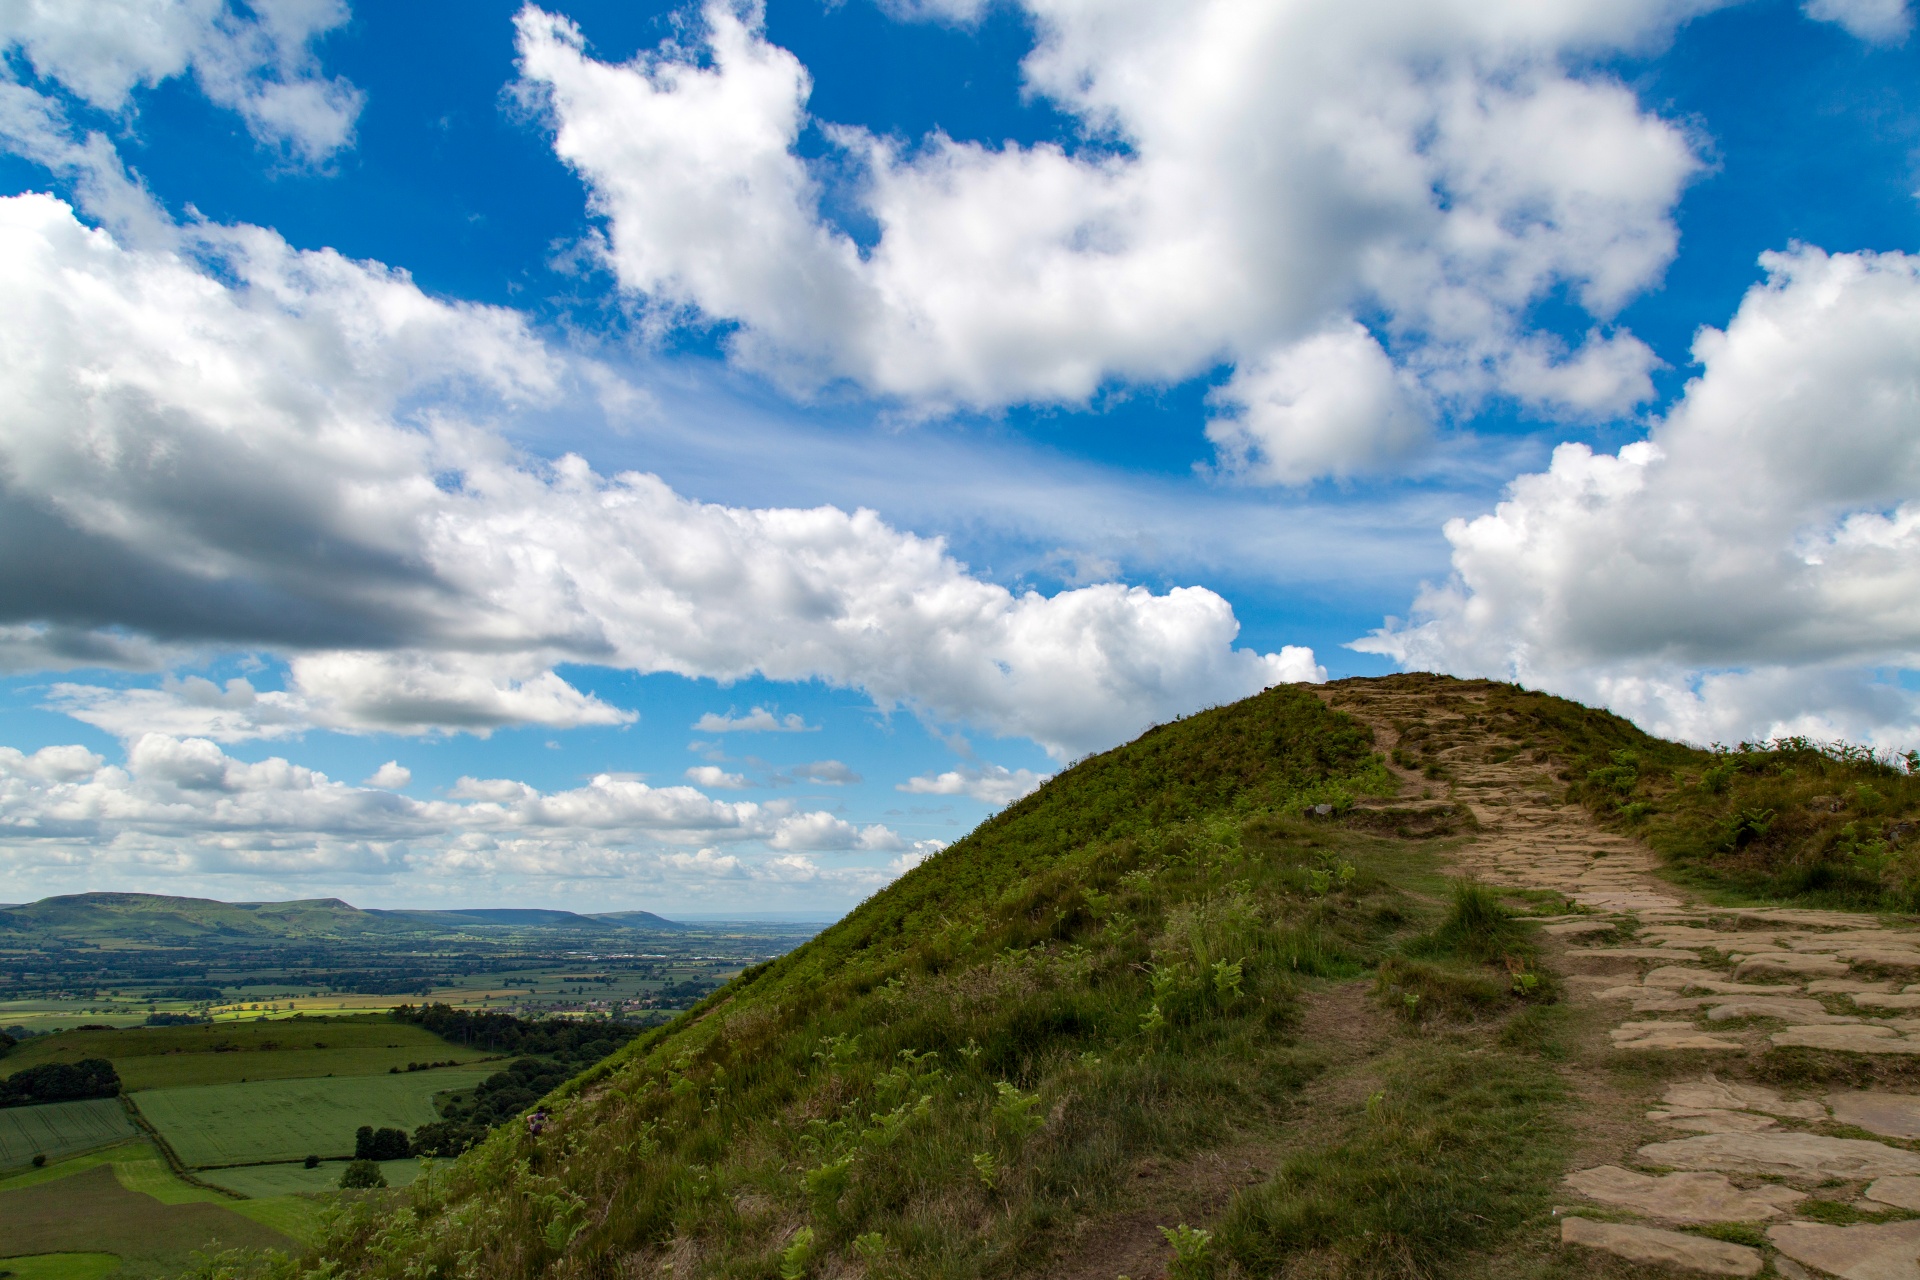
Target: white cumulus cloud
1746, 568
990, 784
1255, 176
1875, 21
714, 778
391, 776
182, 810
817, 831
258, 62
418, 574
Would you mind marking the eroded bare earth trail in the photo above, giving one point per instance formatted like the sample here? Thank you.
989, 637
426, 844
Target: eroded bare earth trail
1794, 1177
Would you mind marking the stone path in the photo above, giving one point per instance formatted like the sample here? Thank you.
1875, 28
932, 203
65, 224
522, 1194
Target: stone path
1728, 984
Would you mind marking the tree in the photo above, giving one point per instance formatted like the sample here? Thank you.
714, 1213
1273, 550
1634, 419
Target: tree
362, 1175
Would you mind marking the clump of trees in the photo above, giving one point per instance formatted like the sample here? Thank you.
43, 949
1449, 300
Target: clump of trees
370, 1143
60, 1082
503, 1033
551, 1052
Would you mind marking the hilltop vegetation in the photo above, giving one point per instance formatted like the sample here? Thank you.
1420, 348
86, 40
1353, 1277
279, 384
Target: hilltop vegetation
970, 1072
1825, 824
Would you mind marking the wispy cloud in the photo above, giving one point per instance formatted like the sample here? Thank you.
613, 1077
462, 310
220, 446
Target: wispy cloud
758, 720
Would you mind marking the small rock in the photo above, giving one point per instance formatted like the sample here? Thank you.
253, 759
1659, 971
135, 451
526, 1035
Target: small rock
1655, 1247
1902, 1193
1857, 1039
1711, 1093
1895, 1115
1683, 1197
1783, 1154
1714, 1121
1866, 1251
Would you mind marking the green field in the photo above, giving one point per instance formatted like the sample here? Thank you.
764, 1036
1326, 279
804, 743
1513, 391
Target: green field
271, 1121
181, 1057
59, 1129
63, 1266
138, 1167
267, 1180
92, 1212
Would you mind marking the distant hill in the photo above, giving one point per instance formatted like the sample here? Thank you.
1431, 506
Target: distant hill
101, 917
637, 920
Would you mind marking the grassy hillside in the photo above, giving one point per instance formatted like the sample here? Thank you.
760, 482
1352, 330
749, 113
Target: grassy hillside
1825, 824
1049, 1035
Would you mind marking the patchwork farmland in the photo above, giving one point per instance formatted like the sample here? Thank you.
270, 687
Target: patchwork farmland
61, 1129
207, 1147
261, 1122
267, 1039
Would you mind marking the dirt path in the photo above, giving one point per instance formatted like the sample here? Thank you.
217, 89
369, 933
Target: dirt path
1706, 1000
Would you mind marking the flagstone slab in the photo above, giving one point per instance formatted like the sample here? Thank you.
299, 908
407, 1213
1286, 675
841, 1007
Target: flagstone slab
1845, 986
1712, 1093
1865, 1038
1677, 976
1893, 1115
1667, 1035
1900, 1192
1654, 1247
1579, 928
1885, 959
1869, 1000
1791, 963
1783, 1154
1865, 1251
1786, 1008
1683, 1197
1713, 1121
1806, 918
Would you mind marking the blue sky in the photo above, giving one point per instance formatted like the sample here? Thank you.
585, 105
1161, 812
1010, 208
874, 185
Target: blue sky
920, 395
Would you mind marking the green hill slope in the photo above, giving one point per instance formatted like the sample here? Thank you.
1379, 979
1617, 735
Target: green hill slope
1159, 1018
